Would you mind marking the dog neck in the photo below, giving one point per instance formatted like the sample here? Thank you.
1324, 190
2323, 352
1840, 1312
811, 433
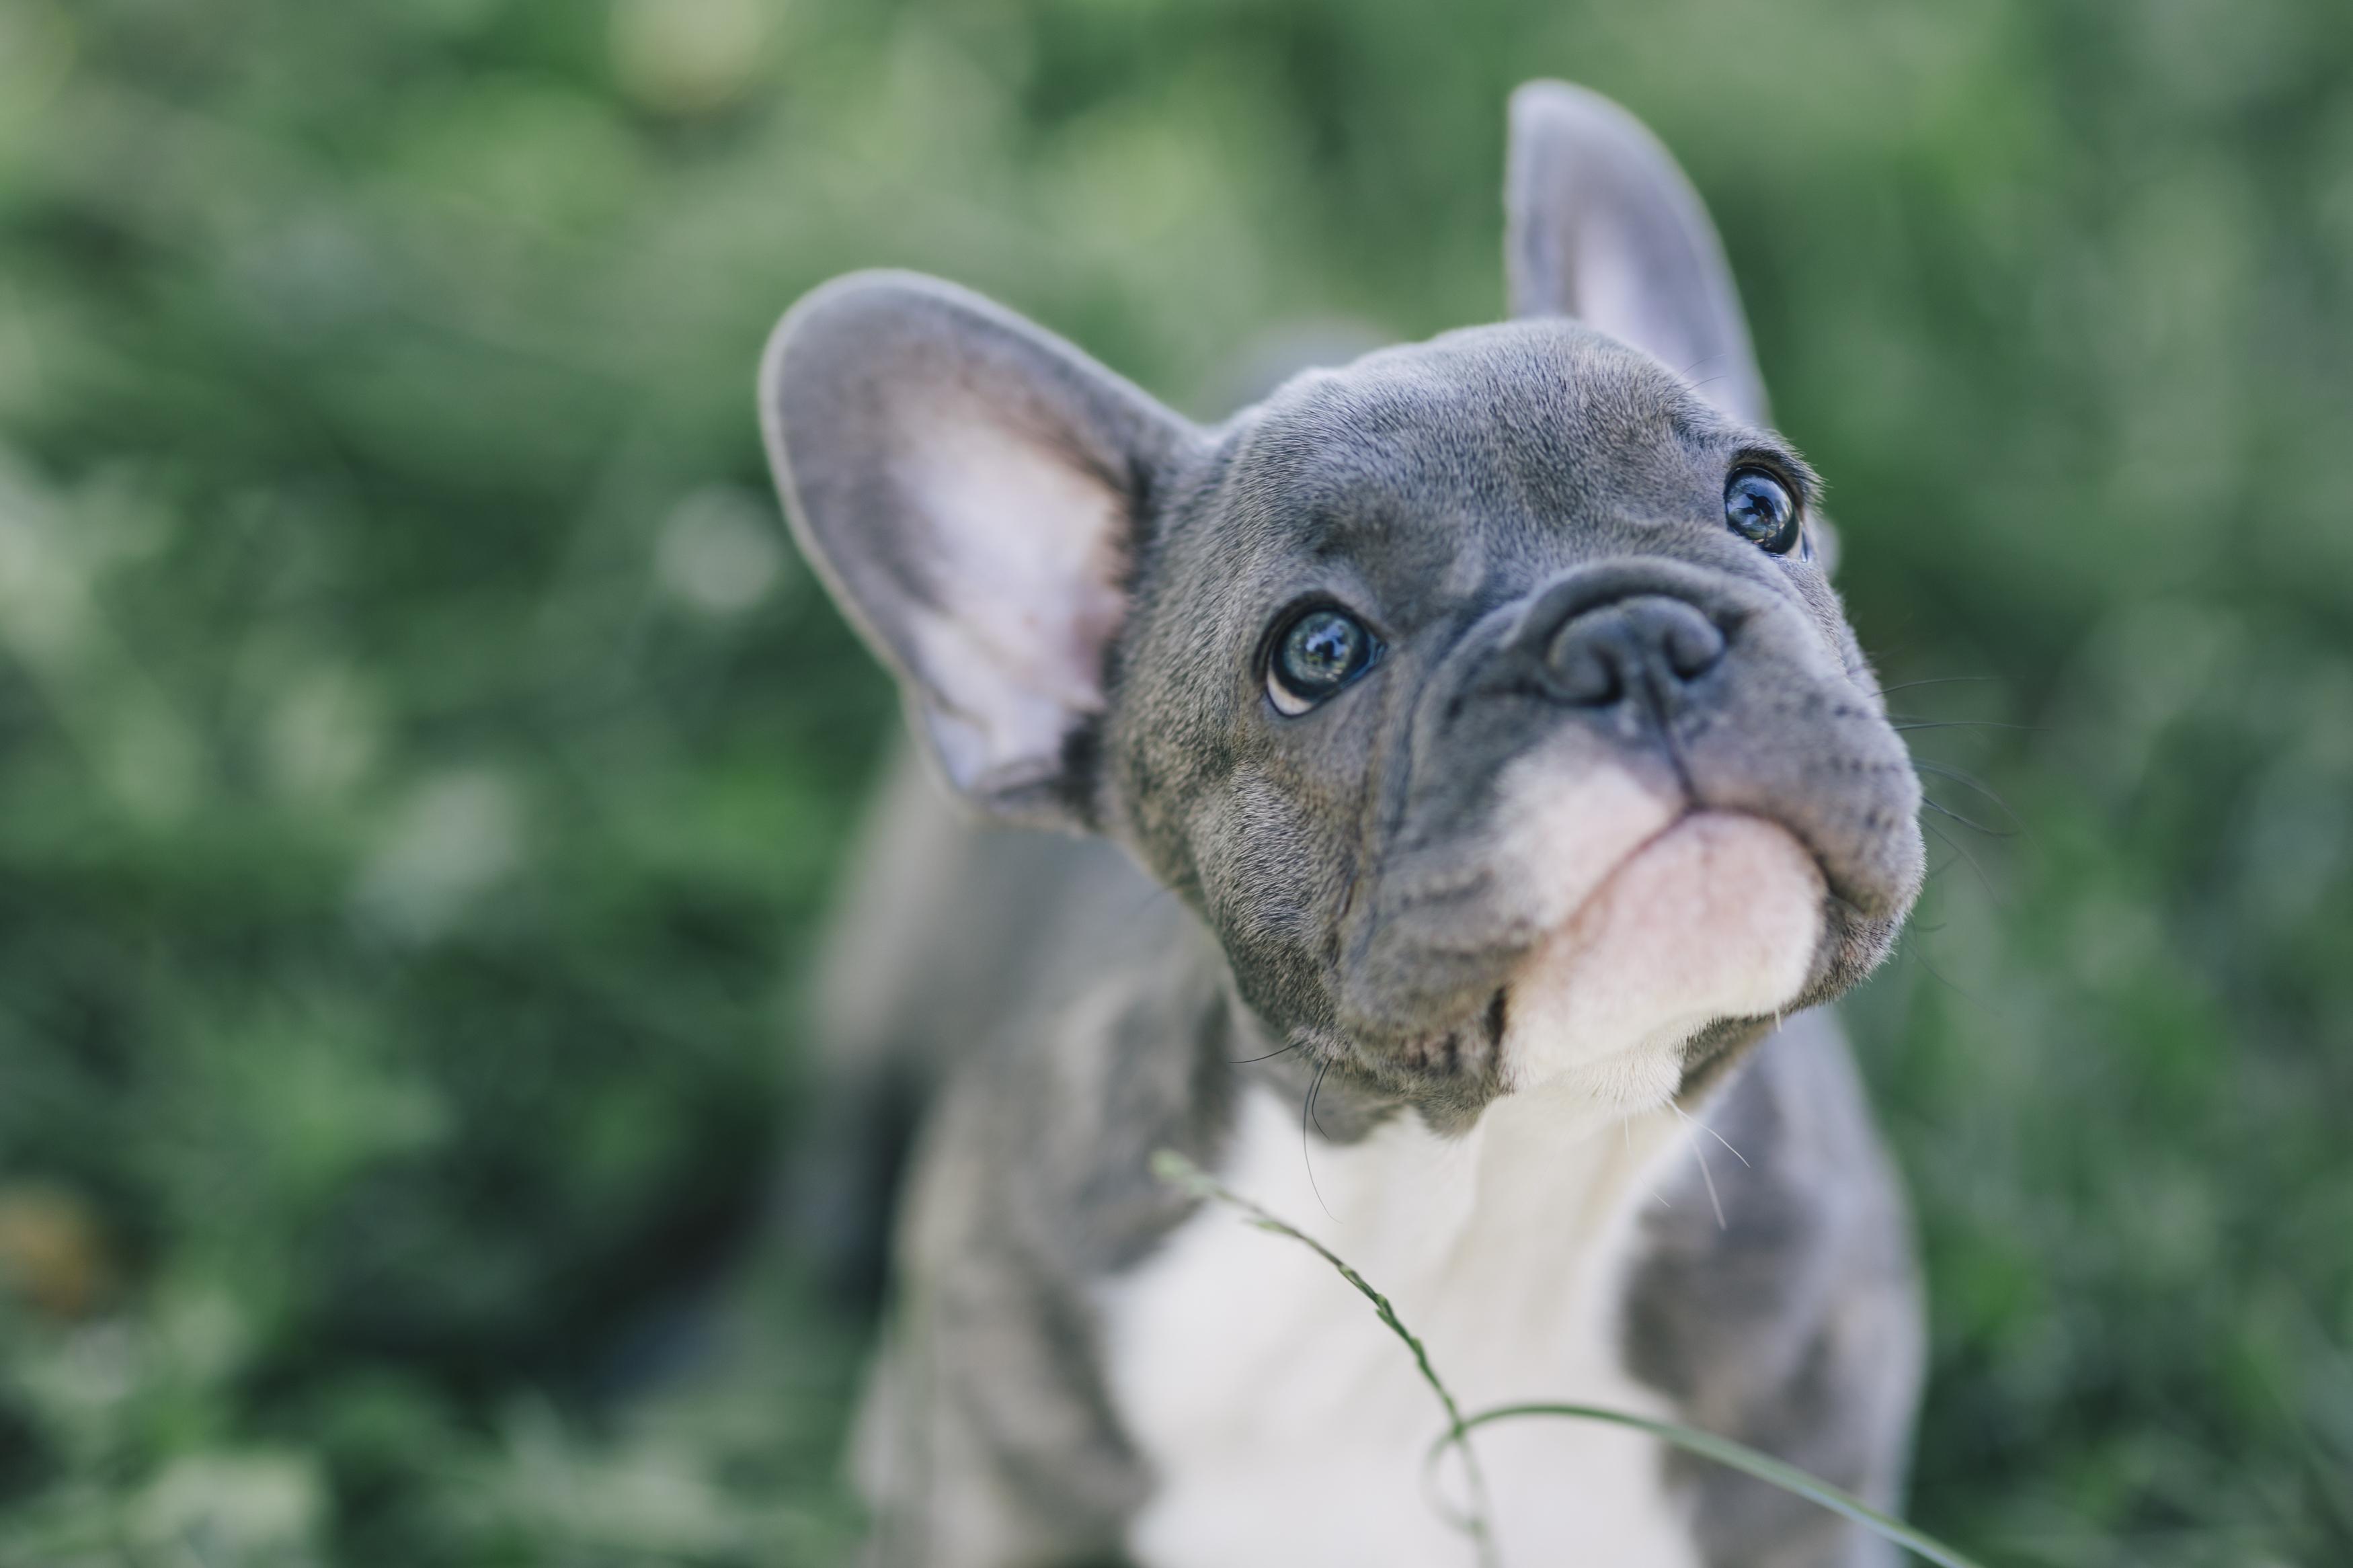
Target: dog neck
1505, 1248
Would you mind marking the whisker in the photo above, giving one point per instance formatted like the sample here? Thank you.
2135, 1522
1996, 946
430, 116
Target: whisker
1933, 680
1969, 821
1626, 1126
1907, 725
1968, 780
1705, 1174
1915, 951
1720, 1138
1145, 901
1279, 1050
1970, 860
1307, 1115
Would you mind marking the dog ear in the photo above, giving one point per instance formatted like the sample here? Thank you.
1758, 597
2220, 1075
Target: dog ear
970, 487
1601, 224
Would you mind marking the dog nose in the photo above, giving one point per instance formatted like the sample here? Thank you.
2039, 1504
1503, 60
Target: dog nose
1650, 643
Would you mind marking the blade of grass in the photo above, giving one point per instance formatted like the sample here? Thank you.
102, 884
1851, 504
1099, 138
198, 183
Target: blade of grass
1739, 1457
1186, 1176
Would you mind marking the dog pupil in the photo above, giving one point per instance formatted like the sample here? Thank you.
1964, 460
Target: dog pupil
1322, 648
1757, 507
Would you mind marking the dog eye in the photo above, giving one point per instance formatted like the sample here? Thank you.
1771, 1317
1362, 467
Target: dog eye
1319, 653
1760, 509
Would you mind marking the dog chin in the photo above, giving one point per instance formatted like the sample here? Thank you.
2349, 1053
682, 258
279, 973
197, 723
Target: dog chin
1717, 916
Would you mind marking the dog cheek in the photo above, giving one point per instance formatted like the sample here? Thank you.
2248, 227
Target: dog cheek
1271, 886
1801, 747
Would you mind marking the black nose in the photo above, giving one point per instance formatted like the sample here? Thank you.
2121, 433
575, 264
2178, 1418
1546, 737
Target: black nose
1650, 643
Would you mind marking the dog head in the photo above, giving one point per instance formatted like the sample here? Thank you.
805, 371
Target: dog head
1487, 698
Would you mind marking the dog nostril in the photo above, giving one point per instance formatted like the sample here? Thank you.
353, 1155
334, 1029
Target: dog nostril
1584, 669
1691, 645
1604, 654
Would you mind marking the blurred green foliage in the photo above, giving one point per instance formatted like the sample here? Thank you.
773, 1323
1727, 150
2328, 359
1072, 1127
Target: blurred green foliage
421, 762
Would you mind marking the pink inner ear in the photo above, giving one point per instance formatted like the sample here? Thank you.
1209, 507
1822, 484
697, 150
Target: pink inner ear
1615, 294
1024, 554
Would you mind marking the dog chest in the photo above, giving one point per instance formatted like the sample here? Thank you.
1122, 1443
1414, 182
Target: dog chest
1284, 1422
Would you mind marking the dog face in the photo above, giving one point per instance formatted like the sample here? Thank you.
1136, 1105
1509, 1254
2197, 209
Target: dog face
1487, 698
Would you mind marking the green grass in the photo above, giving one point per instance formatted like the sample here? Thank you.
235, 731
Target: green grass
422, 767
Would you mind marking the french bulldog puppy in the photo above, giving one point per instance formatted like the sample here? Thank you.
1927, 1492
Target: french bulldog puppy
1471, 780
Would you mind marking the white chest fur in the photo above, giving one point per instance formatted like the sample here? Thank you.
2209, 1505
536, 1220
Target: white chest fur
1286, 1425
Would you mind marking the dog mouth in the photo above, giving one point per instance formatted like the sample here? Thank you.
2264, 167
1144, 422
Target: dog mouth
1718, 915
1467, 1049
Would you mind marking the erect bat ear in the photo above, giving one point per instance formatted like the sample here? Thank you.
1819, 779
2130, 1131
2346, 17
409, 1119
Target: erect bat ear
970, 487
1601, 224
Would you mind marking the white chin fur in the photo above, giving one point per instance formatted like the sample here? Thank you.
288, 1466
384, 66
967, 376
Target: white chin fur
1715, 918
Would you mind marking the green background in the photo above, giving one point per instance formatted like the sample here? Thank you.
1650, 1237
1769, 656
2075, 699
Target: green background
422, 764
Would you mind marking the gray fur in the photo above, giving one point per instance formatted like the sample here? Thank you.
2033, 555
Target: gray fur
1497, 504
992, 1441
1794, 1325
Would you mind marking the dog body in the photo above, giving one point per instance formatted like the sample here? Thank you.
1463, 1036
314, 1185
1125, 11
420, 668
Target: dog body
1486, 769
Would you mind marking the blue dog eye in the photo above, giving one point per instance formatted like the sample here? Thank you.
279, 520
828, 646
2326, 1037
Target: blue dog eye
1321, 652
1760, 509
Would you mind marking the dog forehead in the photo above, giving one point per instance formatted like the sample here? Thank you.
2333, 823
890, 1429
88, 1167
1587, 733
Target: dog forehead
1430, 472
1540, 419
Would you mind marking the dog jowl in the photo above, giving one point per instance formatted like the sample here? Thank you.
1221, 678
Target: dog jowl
1512, 784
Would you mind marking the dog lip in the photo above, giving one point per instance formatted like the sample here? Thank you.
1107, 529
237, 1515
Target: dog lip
1609, 983
1510, 952
1682, 818
1844, 889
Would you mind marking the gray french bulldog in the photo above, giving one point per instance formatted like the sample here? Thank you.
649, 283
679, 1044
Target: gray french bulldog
1470, 772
